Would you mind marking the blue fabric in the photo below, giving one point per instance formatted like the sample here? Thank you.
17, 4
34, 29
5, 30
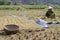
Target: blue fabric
38, 22
53, 22
42, 23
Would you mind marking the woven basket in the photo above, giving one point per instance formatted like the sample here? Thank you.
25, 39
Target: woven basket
11, 28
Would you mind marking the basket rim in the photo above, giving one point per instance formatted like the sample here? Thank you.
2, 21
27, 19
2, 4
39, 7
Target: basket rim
9, 29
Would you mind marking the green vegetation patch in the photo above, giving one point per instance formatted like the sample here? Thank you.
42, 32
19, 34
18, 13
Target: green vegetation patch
15, 7
35, 6
8, 7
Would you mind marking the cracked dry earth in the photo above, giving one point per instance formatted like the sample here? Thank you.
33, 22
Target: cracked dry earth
28, 34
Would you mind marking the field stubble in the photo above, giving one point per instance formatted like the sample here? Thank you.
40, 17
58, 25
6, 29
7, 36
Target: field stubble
52, 33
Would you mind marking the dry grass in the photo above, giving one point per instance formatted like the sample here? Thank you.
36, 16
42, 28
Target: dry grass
52, 33
30, 13
20, 21
47, 34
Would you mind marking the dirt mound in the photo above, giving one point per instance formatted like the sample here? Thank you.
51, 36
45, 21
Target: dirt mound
38, 34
